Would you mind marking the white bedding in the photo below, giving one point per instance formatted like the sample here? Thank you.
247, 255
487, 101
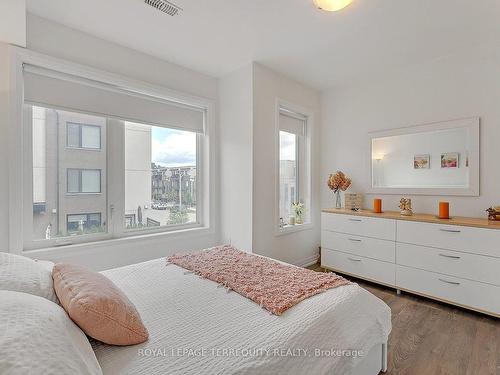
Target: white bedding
38, 337
197, 327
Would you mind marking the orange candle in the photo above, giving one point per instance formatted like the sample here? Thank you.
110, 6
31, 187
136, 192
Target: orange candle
444, 210
377, 206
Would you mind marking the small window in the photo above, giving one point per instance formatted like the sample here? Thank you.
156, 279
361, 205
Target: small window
83, 136
84, 180
83, 223
288, 177
294, 169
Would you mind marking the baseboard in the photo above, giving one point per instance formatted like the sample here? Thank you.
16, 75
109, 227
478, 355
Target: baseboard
306, 262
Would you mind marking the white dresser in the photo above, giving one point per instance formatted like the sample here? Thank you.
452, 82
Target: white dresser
456, 261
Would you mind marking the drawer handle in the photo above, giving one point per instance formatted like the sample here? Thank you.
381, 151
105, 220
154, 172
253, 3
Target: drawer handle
449, 282
449, 256
354, 259
354, 240
450, 230
356, 220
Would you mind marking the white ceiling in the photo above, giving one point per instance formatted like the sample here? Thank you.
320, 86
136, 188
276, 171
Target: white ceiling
318, 48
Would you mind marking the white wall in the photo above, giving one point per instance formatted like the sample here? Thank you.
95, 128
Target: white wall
235, 152
4, 171
59, 41
13, 22
457, 86
299, 247
248, 100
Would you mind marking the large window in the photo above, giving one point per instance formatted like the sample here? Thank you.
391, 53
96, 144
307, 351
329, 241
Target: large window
143, 175
160, 176
294, 170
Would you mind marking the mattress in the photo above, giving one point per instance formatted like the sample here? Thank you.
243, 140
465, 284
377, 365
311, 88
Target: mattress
197, 327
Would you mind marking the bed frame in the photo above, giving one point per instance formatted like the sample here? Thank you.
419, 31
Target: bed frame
374, 362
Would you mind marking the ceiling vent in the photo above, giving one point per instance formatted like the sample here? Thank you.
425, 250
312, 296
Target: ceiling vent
165, 6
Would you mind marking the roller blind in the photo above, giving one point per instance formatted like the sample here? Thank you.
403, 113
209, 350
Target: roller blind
60, 90
292, 123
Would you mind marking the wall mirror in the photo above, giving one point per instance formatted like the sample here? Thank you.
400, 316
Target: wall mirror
433, 159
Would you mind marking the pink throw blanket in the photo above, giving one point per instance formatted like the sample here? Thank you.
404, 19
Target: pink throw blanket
274, 286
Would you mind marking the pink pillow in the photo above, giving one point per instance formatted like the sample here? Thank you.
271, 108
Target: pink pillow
97, 306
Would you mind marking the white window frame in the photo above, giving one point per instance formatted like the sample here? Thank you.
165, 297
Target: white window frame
20, 163
304, 167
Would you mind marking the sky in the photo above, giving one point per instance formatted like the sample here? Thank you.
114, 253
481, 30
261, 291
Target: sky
173, 148
287, 146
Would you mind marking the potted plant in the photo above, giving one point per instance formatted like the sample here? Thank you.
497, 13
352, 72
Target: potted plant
338, 182
298, 208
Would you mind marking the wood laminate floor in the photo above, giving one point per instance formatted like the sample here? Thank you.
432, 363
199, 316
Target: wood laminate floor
431, 338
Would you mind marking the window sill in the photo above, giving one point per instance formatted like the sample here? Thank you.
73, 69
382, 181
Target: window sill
146, 231
83, 149
78, 248
80, 194
288, 229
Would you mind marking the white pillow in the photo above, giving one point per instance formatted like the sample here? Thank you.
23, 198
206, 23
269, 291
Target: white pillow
22, 274
38, 337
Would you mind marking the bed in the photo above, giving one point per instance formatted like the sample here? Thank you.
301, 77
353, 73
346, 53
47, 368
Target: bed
197, 327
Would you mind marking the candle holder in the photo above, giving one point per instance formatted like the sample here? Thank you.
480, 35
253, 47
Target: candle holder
444, 210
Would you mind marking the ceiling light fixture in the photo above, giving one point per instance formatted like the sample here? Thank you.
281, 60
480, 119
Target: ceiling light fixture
165, 6
332, 5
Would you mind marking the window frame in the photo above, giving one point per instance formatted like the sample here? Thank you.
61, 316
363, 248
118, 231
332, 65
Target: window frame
81, 214
80, 181
80, 136
20, 165
304, 165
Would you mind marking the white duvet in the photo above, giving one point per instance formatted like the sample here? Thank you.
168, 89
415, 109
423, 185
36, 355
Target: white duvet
197, 327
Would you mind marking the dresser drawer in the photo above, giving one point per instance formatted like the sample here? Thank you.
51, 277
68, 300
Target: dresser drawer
484, 297
355, 265
468, 239
384, 229
464, 265
364, 246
